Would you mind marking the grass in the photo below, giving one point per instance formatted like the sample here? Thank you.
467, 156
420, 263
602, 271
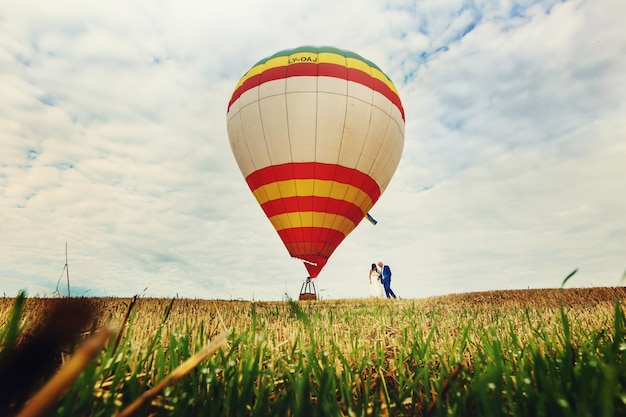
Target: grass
511, 353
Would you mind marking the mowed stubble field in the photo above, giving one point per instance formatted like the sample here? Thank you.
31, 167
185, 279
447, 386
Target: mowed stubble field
518, 352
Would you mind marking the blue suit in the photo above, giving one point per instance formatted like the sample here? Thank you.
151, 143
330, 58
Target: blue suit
386, 281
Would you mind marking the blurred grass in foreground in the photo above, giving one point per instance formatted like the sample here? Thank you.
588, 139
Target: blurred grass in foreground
508, 353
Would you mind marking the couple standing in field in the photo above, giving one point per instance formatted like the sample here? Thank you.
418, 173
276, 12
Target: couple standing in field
380, 279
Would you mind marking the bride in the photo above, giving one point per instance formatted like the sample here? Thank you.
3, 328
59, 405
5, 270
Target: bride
376, 287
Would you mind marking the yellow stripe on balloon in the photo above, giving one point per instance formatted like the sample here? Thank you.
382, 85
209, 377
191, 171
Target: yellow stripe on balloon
322, 188
382, 77
303, 57
330, 58
312, 219
358, 64
323, 57
374, 72
279, 61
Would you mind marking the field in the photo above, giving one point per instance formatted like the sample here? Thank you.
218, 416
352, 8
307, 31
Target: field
509, 353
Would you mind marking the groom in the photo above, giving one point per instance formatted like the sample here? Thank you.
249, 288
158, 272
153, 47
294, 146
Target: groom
385, 274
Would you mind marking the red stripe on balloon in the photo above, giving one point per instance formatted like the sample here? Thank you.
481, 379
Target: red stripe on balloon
335, 71
306, 235
365, 79
319, 70
323, 70
314, 170
249, 84
270, 74
313, 203
302, 70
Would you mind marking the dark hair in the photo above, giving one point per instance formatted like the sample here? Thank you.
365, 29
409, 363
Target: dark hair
374, 267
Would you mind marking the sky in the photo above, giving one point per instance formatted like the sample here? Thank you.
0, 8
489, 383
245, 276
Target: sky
113, 143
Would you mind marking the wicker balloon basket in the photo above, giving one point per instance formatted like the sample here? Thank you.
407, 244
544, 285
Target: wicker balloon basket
308, 291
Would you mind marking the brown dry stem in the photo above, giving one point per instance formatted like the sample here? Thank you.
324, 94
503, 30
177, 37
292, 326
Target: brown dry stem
176, 374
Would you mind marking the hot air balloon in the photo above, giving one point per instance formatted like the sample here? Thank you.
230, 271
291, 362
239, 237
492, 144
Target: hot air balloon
317, 133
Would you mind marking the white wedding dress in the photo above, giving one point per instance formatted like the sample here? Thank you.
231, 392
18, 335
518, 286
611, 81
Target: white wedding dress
376, 288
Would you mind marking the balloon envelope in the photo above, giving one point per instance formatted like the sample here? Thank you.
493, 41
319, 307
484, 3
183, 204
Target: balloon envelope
317, 133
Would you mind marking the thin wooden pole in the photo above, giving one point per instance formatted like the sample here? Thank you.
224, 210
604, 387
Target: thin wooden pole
67, 271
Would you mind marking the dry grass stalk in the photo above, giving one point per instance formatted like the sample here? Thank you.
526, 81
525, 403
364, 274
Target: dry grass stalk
49, 394
176, 374
383, 395
124, 322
